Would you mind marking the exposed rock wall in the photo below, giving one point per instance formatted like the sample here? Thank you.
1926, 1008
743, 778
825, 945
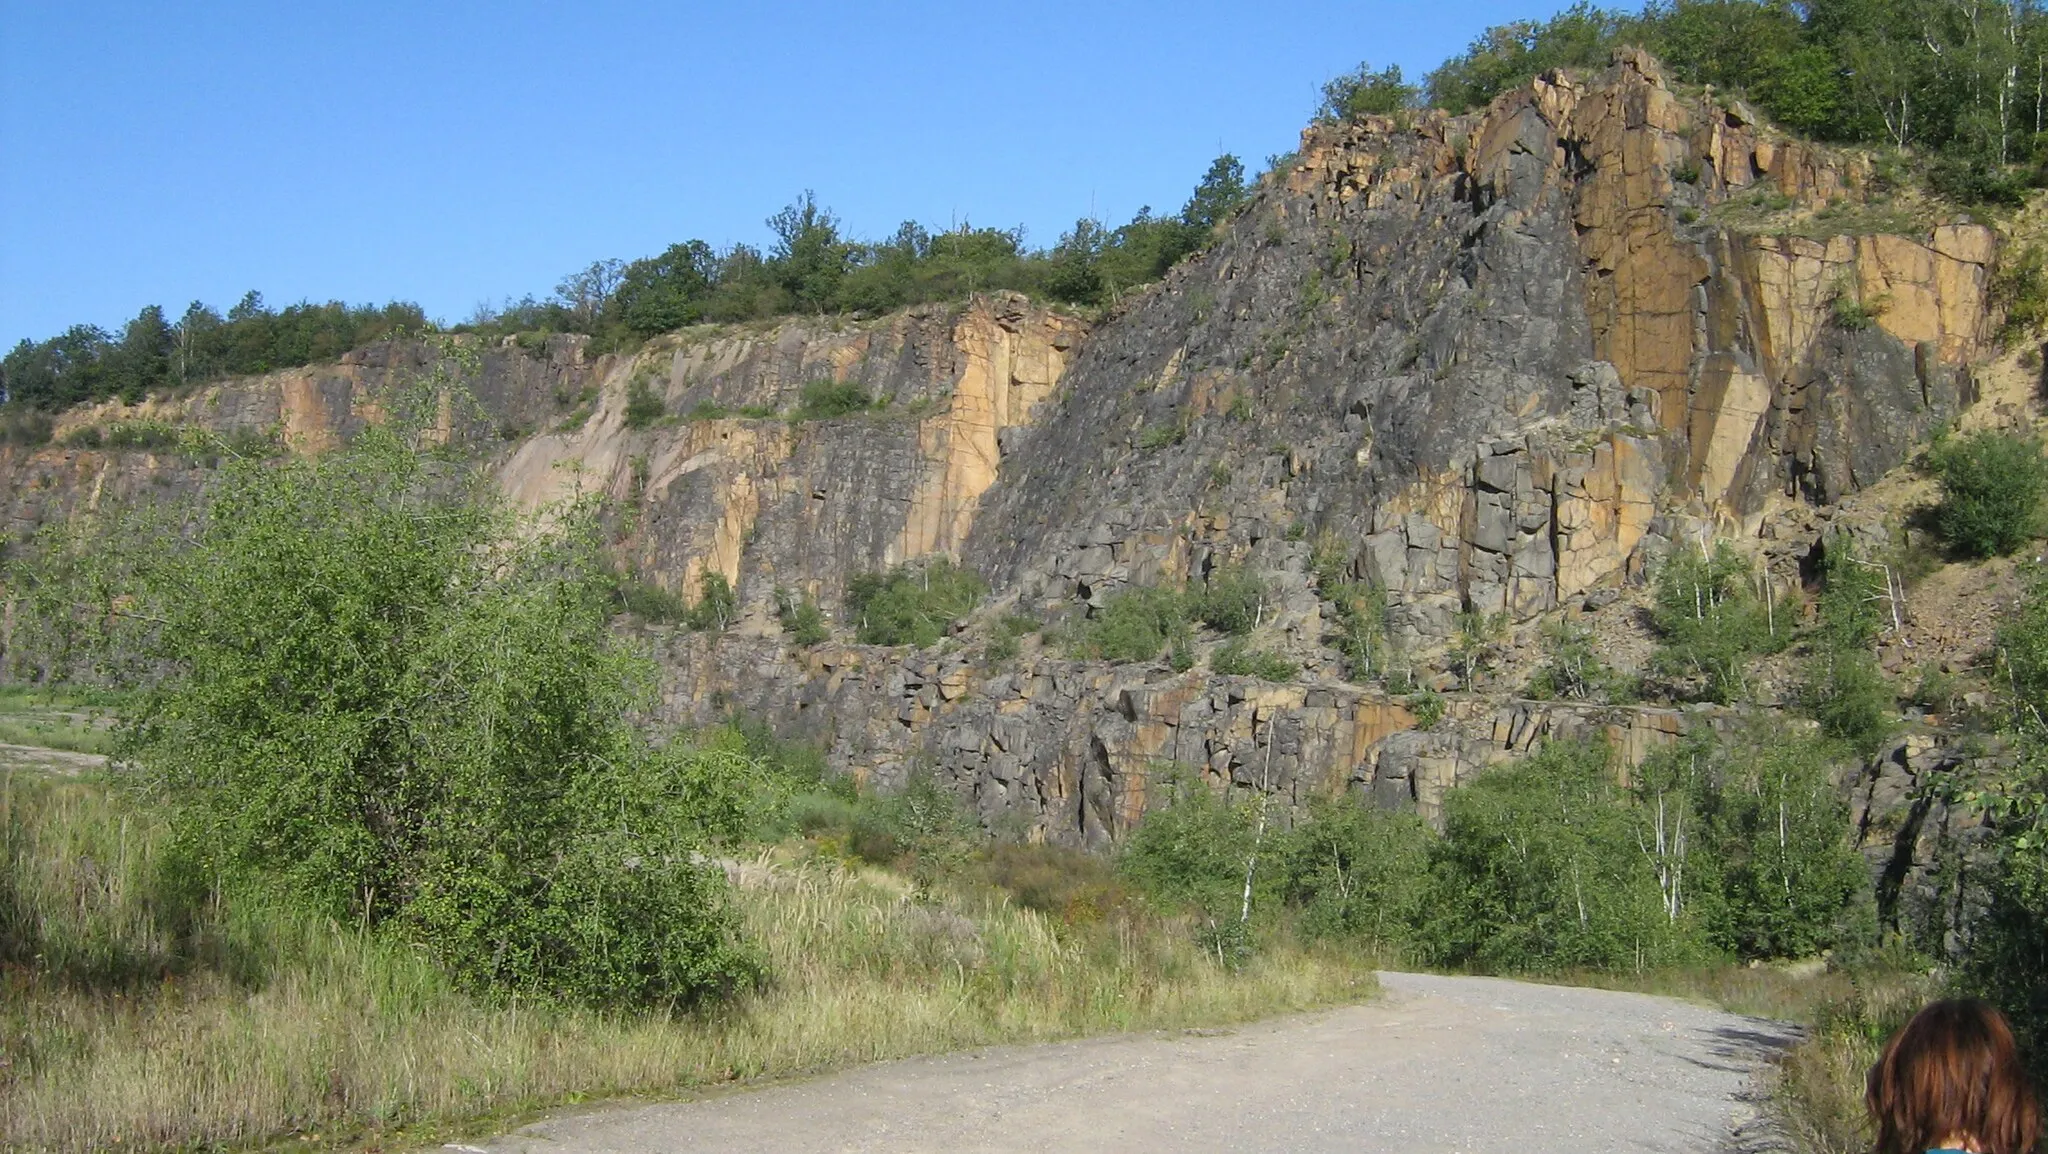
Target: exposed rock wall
1502, 357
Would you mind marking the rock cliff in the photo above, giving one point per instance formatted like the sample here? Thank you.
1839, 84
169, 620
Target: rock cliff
1497, 361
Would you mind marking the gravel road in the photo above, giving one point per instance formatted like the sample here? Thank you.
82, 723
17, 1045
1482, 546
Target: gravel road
1470, 1065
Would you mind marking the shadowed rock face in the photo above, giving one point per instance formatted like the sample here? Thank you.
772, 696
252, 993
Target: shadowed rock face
1497, 360
1499, 356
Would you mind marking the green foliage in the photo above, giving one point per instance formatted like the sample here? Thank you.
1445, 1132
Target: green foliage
1851, 311
922, 829
25, 426
2020, 288
1572, 669
1847, 693
824, 400
1428, 707
1712, 623
1192, 852
1365, 92
1358, 874
1361, 619
1476, 645
913, 604
1134, 625
1991, 489
1842, 686
1740, 848
1791, 884
1539, 869
1232, 600
1236, 659
85, 363
801, 618
1904, 75
644, 406
649, 602
1159, 436
377, 697
717, 605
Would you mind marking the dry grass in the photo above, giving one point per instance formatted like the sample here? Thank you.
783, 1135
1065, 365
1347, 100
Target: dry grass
287, 1028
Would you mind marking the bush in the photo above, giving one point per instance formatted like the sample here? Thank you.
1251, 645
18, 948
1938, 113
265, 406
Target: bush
648, 601
801, 618
717, 605
824, 400
1540, 869
1712, 623
1571, 670
921, 829
1358, 874
1134, 625
913, 604
1193, 853
1232, 601
1236, 659
378, 698
1991, 488
2020, 288
1846, 692
644, 406
1361, 636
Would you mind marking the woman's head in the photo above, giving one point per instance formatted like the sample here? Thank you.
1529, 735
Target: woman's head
1953, 1074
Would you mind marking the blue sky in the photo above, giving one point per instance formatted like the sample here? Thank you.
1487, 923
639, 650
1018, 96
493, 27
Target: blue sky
456, 153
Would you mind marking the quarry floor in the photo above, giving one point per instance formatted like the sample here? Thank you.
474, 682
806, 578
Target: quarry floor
1455, 1064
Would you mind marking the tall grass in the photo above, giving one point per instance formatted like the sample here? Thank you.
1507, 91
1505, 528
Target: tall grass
142, 1010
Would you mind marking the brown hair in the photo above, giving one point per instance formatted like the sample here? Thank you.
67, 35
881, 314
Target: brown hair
1953, 1072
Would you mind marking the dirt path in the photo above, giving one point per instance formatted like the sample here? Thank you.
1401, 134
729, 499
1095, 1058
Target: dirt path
1441, 1064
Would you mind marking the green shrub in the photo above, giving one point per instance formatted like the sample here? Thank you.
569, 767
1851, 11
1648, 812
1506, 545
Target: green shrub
1192, 853
801, 618
1161, 435
1231, 601
86, 437
644, 406
1358, 874
376, 698
1236, 659
1991, 488
922, 829
1428, 707
717, 606
1134, 625
1539, 869
825, 399
1711, 622
1361, 635
1846, 692
1476, 645
1571, 670
913, 604
2020, 287
649, 602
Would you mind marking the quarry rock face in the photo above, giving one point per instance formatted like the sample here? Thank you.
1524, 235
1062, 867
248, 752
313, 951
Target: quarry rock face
1497, 363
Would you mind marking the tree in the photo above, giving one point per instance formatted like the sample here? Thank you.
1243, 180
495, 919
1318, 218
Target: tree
810, 258
1365, 92
1221, 192
141, 363
588, 291
373, 694
660, 294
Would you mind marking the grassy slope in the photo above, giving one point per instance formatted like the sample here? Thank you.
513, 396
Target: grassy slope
315, 1031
